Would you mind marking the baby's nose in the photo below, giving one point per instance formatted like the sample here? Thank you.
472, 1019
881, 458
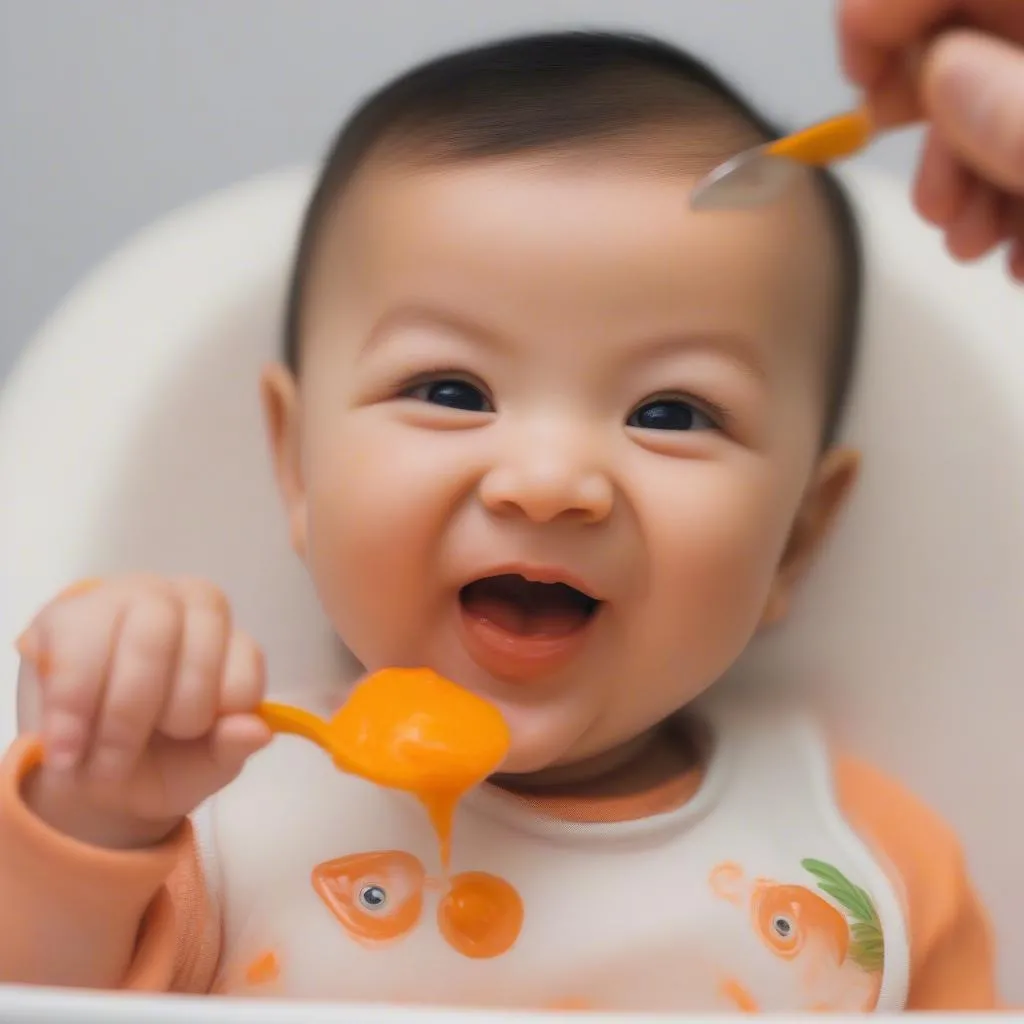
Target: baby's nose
545, 486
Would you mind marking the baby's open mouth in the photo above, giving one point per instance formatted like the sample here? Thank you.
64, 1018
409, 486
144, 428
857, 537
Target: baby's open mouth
527, 608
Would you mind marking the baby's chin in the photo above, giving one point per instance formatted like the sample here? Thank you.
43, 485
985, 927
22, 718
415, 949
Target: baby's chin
542, 738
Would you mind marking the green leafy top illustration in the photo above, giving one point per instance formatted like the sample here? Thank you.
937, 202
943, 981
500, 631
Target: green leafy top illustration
867, 946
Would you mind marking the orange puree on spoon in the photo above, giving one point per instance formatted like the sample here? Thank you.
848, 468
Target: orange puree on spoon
408, 729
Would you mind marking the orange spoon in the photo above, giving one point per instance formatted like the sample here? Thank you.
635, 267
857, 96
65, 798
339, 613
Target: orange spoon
405, 729
761, 174
408, 729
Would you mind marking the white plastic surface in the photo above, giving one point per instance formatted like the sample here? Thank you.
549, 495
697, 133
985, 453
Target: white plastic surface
130, 439
28, 1006
130, 431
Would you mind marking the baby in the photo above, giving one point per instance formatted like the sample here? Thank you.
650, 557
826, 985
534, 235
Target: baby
543, 429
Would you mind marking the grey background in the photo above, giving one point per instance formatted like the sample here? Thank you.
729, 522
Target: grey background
113, 112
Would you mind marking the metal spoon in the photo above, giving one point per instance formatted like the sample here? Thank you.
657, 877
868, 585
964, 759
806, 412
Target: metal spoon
762, 174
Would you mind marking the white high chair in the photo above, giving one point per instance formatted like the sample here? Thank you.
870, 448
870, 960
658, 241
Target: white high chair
130, 439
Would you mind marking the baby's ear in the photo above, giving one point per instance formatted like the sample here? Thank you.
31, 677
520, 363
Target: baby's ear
280, 400
823, 501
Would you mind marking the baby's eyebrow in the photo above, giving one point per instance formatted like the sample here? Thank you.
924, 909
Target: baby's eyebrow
411, 315
738, 347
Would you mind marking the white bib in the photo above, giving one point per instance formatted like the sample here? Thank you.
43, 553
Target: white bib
754, 895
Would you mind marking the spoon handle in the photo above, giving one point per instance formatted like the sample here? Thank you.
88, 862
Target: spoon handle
821, 143
284, 718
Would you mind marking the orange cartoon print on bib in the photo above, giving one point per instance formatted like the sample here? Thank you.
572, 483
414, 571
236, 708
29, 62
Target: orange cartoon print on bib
835, 946
378, 899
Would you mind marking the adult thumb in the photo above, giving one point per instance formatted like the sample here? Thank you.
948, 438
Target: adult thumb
973, 92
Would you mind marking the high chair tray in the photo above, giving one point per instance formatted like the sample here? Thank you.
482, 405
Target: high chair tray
36, 1006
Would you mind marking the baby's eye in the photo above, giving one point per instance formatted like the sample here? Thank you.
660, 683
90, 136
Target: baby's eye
452, 394
670, 414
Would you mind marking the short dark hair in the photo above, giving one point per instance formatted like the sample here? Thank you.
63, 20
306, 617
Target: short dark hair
556, 91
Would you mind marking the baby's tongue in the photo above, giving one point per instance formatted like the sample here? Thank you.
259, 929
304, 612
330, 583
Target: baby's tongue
524, 608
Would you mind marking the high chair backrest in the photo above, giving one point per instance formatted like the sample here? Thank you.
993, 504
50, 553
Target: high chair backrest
130, 439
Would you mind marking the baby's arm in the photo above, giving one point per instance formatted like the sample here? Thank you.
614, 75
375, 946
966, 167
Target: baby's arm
952, 956
143, 697
79, 915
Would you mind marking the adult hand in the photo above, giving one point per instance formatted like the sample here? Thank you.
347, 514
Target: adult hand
959, 66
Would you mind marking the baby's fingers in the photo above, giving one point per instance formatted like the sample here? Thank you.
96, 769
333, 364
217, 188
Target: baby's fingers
144, 658
69, 660
183, 775
192, 703
236, 738
245, 679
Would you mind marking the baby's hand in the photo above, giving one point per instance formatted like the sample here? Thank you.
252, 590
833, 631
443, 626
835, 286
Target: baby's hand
145, 705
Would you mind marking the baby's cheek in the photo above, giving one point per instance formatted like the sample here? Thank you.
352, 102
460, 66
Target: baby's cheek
367, 560
364, 593
712, 580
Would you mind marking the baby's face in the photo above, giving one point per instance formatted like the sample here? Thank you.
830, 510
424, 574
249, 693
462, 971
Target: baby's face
516, 370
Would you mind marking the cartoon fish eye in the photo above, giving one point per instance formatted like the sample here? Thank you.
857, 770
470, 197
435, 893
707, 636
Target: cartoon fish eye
782, 926
372, 897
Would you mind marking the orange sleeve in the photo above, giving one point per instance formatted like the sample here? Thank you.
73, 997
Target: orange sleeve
47, 877
952, 956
